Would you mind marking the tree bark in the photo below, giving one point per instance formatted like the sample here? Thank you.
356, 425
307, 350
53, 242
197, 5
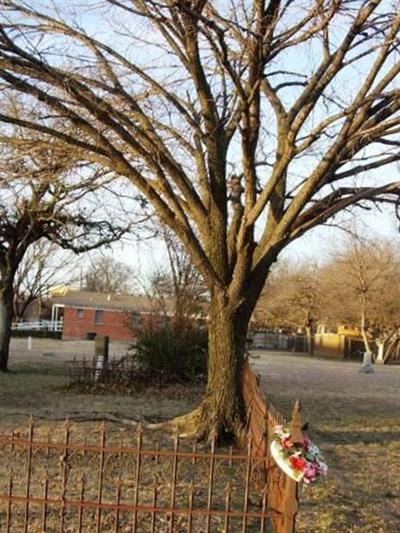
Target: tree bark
310, 340
222, 412
381, 352
6, 313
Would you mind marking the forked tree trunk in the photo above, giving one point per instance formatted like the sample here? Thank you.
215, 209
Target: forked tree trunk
6, 313
222, 413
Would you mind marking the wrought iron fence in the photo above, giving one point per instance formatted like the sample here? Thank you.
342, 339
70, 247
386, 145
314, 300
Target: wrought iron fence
119, 369
69, 482
71, 479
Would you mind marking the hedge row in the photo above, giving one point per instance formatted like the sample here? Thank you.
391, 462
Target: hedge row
42, 334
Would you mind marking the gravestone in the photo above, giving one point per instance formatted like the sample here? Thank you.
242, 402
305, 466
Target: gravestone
367, 367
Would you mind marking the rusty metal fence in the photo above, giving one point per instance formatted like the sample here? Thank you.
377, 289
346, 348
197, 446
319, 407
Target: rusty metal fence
71, 479
64, 480
263, 417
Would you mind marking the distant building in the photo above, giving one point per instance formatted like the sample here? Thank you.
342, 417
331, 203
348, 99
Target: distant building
87, 314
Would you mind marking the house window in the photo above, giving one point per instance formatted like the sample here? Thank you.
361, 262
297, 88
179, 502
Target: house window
136, 320
98, 316
79, 312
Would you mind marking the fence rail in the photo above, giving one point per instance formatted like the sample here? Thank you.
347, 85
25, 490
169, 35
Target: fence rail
263, 417
39, 325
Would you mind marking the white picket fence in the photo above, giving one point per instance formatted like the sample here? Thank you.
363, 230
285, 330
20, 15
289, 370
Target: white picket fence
39, 325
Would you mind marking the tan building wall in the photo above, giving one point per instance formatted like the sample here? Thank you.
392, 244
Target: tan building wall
330, 344
340, 346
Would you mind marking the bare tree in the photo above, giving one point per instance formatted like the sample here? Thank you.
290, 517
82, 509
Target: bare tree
292, 297
187, 288
38, 199
361, 288
244, 124
177, 287
43, 266
108, 275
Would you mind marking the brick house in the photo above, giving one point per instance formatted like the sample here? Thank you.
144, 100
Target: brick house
86, 314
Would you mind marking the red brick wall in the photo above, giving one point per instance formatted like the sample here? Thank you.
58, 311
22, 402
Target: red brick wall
113, 324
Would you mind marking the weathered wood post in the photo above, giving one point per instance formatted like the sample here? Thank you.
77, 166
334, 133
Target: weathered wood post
101, 347
291, 496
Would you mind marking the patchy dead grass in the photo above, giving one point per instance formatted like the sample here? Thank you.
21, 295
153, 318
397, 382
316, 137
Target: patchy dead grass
353, 418
43, 392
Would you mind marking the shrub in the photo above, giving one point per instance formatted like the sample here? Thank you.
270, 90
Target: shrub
42, 334
172, 351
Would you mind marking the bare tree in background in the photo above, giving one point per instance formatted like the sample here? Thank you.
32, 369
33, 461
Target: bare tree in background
361, 287
178, 287
43, 266
292, 298
39, 196
108, 275
188, 290
244, 125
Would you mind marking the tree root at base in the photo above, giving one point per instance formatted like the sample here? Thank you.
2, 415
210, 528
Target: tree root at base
185, 426
200, 426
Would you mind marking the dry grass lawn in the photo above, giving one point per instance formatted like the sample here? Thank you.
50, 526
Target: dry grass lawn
354, 418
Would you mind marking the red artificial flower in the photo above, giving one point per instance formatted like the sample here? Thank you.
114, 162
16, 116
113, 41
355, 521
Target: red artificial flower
297, 463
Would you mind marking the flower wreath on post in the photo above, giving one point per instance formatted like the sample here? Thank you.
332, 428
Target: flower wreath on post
301, 461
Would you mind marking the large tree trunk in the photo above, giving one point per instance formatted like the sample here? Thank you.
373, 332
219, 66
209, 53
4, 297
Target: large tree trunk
222, 413
6, 313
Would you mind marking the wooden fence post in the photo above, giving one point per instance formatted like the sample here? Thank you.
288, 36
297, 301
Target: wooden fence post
291, 496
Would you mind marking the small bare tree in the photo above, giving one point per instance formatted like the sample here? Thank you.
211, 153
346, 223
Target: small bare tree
178, 288
107, 275
38, 199
361, 288
291, 298
43, 266
188, 290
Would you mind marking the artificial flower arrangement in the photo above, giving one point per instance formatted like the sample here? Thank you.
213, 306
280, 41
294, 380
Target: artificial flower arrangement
300, 461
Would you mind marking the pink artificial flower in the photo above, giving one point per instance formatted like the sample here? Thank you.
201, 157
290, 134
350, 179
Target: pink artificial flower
286, 442
310, 472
